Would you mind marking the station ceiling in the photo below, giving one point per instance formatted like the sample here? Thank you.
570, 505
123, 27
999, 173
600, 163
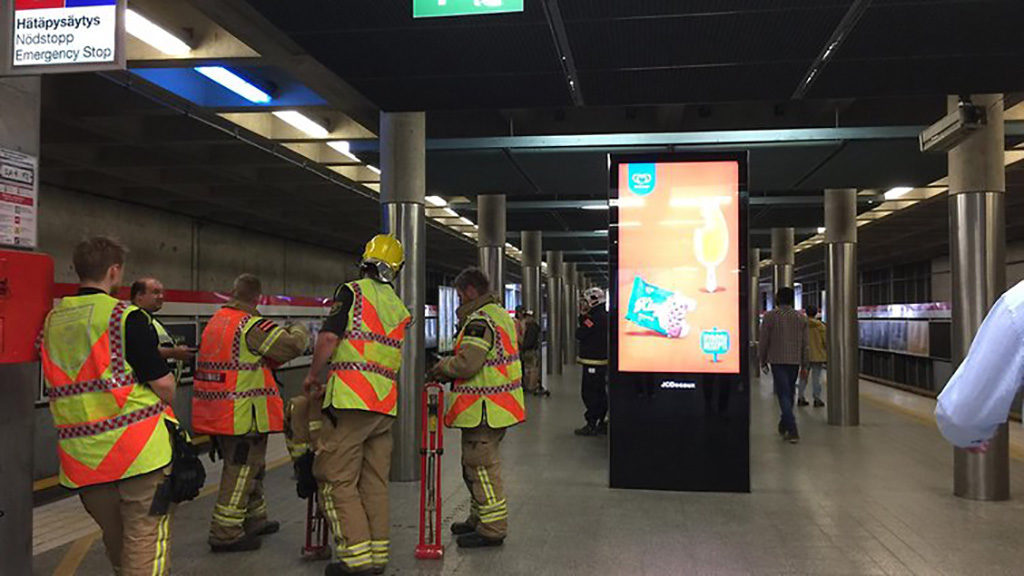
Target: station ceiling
588, 67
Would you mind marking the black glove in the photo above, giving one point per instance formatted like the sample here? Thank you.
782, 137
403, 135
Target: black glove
187, 472
305, 483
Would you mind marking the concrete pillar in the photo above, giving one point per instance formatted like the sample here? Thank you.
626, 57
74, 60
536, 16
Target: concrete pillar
531, 243
783, 258
754, 304
570, 308
403, 161
19, 130
841, 272
554, 311
977, 220
490, 212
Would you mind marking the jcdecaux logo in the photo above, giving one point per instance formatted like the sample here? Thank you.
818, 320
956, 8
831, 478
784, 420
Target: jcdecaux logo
642, 178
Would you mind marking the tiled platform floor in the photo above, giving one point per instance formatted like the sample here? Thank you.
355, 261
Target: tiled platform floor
871, 500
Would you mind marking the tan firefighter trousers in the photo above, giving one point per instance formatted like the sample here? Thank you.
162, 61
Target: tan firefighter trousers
241, 508
481, 470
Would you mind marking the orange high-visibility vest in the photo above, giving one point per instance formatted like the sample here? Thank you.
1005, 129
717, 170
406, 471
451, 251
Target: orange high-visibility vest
109, 425
498, 386
234, 390
364, 366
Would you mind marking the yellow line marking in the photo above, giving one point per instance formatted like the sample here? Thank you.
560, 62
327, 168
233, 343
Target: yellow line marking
79, 548
44, 483
73, 558
1016, 452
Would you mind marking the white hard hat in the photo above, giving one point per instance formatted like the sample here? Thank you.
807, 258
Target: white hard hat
594, 295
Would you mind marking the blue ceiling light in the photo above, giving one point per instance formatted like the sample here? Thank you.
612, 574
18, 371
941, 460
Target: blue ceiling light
235, 83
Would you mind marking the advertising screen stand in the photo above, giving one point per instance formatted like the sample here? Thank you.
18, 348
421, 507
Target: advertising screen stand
679, 366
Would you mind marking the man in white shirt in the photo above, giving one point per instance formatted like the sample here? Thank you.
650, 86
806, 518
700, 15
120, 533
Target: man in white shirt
977, 399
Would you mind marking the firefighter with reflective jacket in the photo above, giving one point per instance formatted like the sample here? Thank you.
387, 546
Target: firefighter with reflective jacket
110, 395
236, 401
592, 333
486, 398
359, 348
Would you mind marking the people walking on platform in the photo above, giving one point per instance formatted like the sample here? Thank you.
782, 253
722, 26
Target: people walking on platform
977, 399
148, 295
110, 396
783, 346
529, 333
592, 333
360, 349
817, 357
236, 400
486, 398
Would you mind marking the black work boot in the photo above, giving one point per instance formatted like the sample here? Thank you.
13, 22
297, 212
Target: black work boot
475, 540
339, 569
247, 544
588, 430
602, 427
462, 528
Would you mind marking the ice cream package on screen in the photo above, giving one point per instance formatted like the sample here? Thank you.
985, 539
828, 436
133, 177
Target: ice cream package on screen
659, 309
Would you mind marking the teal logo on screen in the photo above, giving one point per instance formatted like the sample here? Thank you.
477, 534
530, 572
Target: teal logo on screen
642, 178
715, 342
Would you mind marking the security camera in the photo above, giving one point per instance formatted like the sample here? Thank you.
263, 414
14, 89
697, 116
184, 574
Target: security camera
953, 129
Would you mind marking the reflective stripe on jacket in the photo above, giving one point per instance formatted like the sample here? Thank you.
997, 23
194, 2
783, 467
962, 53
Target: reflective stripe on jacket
364, 366
109, 426
234, 391
497, 387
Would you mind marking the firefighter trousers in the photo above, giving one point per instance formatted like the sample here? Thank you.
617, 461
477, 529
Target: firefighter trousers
353, 460
531, 370
481, 470
241, 508
136, 530
303, 420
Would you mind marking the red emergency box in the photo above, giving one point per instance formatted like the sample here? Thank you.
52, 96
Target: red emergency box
26, 295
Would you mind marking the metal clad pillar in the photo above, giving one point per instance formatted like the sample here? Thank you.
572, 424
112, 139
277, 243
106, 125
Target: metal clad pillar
403, 163
554, 312
531, 243
490, 211
570, 307
19, 130
841, 270
783, 258
977, 220
754, 302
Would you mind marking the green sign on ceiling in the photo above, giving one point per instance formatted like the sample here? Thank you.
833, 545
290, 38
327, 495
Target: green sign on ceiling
437, 8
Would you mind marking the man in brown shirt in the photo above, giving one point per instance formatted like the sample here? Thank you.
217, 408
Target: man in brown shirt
783, 345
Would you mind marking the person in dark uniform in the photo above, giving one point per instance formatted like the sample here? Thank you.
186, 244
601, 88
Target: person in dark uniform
592, 333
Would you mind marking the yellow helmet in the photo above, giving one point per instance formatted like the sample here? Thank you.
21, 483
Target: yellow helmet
386, 252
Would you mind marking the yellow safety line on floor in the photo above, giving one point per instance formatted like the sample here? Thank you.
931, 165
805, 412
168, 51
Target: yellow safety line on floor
75, 554
1016, 452
45, 483
79, 548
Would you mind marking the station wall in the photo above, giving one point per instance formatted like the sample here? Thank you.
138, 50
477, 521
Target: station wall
942, 283
183, 252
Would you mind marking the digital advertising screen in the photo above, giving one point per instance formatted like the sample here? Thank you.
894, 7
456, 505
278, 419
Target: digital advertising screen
678, 266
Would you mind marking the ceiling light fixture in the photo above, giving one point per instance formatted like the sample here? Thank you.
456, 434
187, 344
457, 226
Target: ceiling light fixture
373, 169
344, 148
234, 83
436, 201
594, 207
821, 230
303, 123
897, 192
145, 30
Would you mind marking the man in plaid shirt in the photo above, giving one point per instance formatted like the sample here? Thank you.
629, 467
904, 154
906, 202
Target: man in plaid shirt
784, 346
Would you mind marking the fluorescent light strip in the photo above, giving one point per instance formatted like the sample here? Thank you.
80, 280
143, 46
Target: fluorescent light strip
594, 207
821, 230
302, 123
235, 83
897, 192
436, 201
344, 148
373, 169
142, 28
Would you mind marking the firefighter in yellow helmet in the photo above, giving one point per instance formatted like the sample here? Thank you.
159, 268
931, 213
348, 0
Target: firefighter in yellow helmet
486, 398
355, 369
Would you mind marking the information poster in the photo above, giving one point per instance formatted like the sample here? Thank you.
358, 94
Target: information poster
19, 199
678, 267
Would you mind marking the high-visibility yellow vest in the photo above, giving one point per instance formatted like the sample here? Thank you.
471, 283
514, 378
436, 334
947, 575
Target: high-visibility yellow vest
364, 366
109, 425
498, 386
234, 391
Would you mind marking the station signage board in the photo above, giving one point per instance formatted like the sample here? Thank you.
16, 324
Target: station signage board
441, 8
19, 199
48, 36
